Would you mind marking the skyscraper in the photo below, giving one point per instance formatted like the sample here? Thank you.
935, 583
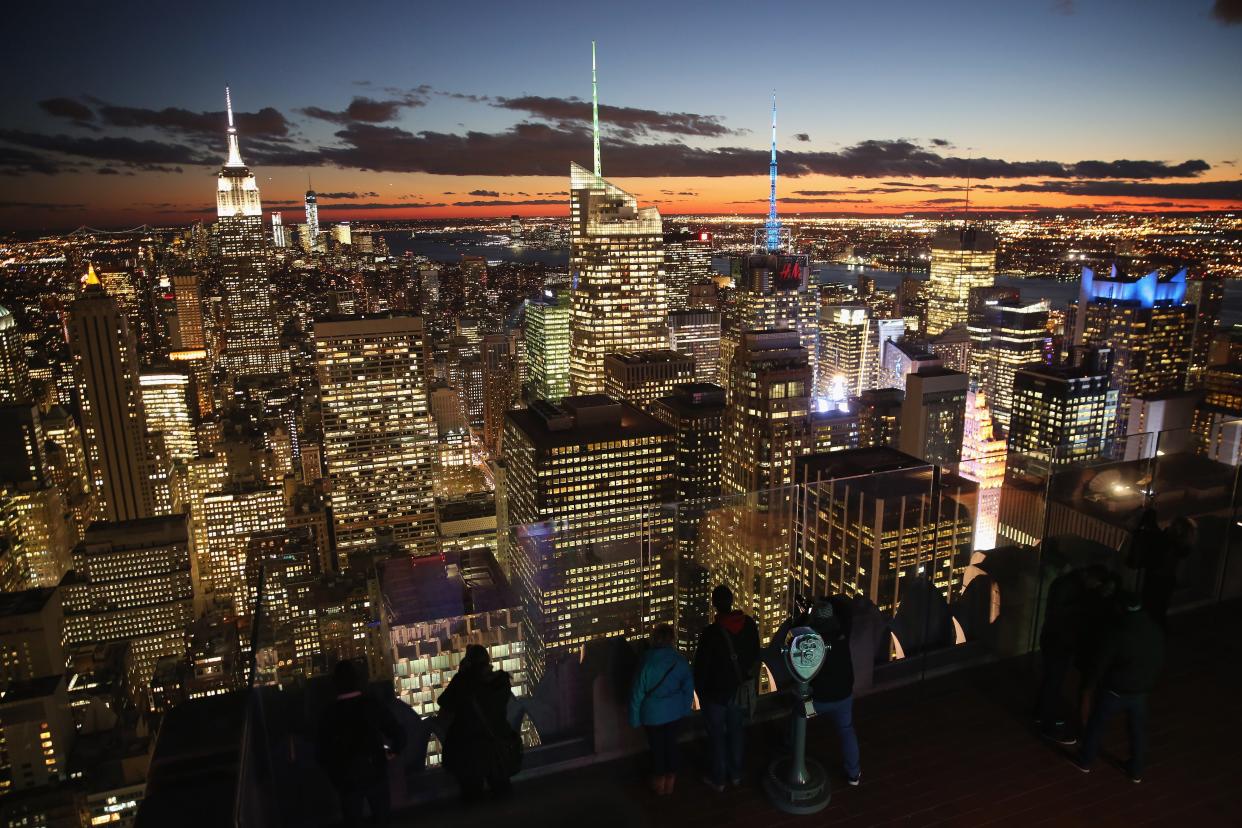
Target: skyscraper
313, 239
377, 430
697, 333
590, 551
847, 351
500, 385
114, 427
1017, 337
1060, 416
252, 338
766, 423
166, 398
279, 239
231, 517
14, 376
983, 461
1207, 293
619, 302
981, 304
933, 415
961, 259
1147, 324
687, 260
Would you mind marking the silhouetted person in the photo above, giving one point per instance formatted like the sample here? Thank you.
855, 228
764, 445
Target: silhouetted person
832, 689
1158, 564
1071, 608
481, 750
726, 665
662, 695
1130, 657
357, 737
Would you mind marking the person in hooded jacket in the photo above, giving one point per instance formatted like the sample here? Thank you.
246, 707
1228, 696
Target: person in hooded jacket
726, 669
480, 747
832, 689
662, 695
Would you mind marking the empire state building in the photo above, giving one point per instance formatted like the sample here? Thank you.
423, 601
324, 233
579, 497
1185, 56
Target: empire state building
252, 340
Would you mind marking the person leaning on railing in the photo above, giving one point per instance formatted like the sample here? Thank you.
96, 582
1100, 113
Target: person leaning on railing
662, 695
726, 676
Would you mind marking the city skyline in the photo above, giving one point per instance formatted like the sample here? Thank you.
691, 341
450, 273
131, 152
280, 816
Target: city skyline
448, 127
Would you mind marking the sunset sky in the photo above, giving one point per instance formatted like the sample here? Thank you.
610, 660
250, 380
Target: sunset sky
114, 112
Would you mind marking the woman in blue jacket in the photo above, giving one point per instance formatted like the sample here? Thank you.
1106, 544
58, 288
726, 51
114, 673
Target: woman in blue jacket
662, 696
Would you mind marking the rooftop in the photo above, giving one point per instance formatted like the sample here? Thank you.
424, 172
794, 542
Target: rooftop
25, 602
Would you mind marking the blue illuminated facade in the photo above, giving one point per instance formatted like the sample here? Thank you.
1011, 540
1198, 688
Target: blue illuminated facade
1146, 291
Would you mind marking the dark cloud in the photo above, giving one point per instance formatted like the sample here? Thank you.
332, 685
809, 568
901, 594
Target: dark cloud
367, 205
1064, 7
40, 205
945, 200
462, 96
484, 193
518, 203
795, 200
802, 136
367, 110
132, 151
1228, 12
940, 142
350, 194
266, 123
1222, 190
67, 108
626, 118
15, 161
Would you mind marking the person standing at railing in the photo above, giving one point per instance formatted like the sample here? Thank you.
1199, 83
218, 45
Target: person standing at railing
481, 750
832, 689
1069, 612
662, 695
357, 738
1130, 658
726, 676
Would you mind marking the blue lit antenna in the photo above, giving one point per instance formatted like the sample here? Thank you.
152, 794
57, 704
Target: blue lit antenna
772, 230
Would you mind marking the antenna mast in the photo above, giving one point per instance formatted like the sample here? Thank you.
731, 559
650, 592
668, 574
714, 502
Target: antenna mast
595, 111
773, 228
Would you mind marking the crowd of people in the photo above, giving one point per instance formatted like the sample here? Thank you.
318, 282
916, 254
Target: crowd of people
1103, 629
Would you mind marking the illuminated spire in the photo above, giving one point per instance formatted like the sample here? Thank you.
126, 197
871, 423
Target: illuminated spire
91, 279
772, 230
235, 159
595, 110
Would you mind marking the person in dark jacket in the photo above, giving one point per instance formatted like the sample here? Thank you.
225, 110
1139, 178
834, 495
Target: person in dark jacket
832, 689
1070, 608
662, 695
1129, 660
357, 736
725, 662
480, 747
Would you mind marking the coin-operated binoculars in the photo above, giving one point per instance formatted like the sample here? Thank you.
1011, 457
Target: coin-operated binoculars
795, 784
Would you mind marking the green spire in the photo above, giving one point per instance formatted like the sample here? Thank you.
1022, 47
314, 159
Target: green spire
595, 110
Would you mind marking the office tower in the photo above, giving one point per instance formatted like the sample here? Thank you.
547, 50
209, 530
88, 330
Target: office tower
1018, 337
252, 338
981, 304
378, 433
847, 351
131, 582
279, 239
14, 376
230, 518
1207, 293
767, 419
474, 279
695, 412
67, 466
952, 348
1145, 322
312, 241
961, 259
465, 372
912, 303
875, 522
705, 296
166, 398
642, 377
833, 427
500, 385
1060, 416
32, 626
618, 302
697, 333
547, 345
341, 233
904, 357
589, 547
933, 415
190, 333
113, 422
36, 736
983, 462
1217, 423
687, 260
879, 417
515, 229
41, 528
433, 609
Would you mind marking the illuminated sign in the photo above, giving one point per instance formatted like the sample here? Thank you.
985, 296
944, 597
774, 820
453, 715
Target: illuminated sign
791, 272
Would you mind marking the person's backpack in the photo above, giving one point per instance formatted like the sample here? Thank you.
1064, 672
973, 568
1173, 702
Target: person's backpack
746, 695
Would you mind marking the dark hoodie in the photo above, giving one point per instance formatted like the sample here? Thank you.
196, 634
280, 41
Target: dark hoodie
715, 679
